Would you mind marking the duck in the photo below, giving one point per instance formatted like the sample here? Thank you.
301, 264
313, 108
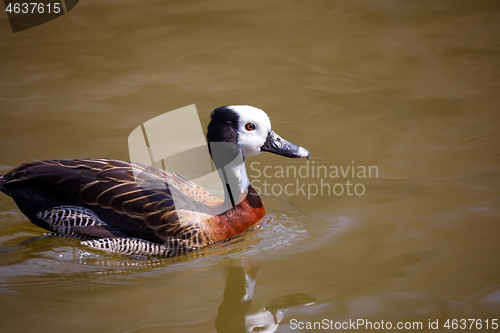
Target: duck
140, 210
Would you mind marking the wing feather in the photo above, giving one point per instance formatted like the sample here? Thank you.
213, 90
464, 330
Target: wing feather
132, 198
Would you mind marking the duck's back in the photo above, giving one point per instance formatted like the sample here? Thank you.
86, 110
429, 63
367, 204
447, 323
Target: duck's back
133, 200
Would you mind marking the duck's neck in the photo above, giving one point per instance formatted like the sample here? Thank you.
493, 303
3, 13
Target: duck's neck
230, 163
235, 179
239, 173
242, 206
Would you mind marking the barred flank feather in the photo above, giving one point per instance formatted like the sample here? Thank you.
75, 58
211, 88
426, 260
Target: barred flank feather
134, 246
124, 207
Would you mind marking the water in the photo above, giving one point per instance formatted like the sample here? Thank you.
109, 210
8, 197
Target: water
409, 87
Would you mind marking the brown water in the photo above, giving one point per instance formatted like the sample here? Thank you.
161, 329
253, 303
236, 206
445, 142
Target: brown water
411, 88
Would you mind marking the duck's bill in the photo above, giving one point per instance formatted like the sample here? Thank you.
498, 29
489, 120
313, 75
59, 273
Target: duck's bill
277, 145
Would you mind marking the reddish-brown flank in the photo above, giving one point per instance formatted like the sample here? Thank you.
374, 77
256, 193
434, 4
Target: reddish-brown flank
235, 221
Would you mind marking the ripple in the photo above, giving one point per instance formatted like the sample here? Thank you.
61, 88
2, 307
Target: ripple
46, 263
290, 230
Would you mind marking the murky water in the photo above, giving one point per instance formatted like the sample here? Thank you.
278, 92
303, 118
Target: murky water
409, 88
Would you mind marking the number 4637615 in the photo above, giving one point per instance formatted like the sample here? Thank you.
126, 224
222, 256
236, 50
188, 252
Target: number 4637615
33, 8
471, 323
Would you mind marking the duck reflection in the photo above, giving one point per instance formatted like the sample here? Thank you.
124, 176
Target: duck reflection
236, 313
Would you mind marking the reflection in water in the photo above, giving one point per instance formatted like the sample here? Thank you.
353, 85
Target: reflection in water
47, 270
236, 313
409, 86
30, 262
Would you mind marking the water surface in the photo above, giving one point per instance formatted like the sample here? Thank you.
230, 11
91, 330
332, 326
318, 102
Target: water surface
409, 87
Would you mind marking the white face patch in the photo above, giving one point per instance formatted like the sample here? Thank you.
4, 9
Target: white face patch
250, 140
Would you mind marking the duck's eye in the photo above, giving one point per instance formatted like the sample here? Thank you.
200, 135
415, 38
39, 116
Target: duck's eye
250, 126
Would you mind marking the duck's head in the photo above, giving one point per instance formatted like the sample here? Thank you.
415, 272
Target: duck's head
249, 128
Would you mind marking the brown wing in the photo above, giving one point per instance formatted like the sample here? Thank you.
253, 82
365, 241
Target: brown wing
144, 192
135, 199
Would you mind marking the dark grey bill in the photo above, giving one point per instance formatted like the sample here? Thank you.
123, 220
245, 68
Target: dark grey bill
277, 145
